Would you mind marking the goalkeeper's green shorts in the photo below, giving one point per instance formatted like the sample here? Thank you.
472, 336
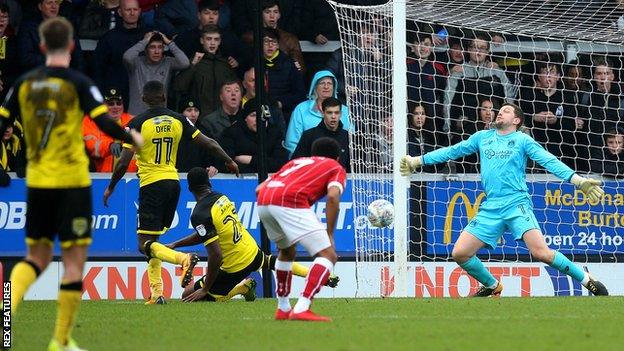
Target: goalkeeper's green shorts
492, 221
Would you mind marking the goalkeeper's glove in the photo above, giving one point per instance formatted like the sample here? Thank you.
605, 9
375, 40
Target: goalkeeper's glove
409, 164
590, 187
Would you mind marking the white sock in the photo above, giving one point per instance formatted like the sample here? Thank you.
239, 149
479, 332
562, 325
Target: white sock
585, 279
283, 302
303, 304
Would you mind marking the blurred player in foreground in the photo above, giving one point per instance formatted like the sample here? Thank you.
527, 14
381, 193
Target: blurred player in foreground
233, 253
503, 151
284, 207
51, 102
159, 184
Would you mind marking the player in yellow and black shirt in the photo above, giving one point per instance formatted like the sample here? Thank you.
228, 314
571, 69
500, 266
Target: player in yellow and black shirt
159, 185
233, 254
51, 102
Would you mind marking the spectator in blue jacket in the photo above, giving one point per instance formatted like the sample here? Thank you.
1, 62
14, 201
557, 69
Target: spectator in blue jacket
309, 113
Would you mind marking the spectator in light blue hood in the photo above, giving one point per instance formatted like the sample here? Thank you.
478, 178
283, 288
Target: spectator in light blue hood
308, 114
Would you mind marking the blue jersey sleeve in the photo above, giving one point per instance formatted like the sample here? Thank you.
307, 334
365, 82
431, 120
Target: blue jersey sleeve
453, 152
547, 160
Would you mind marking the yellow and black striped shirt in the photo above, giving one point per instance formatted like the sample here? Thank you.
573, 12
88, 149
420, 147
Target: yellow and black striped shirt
51, 103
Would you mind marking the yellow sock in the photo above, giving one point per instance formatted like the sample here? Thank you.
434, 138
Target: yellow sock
22, 276
166, 254
154, 273
239, 289
300, 270
68, 303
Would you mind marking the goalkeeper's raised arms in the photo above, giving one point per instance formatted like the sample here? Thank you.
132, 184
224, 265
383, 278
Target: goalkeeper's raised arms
590, 187
409, 164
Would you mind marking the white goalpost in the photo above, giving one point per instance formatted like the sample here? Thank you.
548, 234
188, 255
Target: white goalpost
423, 74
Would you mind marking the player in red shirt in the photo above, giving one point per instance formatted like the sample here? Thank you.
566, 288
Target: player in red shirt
284, 207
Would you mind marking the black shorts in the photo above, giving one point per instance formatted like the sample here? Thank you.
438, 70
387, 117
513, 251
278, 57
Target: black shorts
227, 281
63, 212
157, 206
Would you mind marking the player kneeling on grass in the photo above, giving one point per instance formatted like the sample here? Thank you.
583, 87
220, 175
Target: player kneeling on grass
503, 151
233, 253
284, 207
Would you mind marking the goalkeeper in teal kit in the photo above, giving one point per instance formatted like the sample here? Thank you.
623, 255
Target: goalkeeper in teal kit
503, 152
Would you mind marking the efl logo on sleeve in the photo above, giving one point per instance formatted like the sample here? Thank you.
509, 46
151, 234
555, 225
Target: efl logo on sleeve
6, 311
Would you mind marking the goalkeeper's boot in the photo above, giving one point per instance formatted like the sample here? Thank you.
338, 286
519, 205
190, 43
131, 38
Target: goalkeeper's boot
71, 346
485, 291
308, 316
596, 287
250, 295
160, 300
332, 281
188, 264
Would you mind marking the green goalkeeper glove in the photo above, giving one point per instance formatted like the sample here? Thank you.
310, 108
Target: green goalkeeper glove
409, 164
590, 187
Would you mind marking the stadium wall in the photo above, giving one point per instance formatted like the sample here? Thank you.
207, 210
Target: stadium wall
128, 280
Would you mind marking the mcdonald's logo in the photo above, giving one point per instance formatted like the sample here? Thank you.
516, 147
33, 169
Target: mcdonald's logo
470, 209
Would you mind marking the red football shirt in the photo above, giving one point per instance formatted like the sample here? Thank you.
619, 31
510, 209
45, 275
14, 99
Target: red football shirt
302, 181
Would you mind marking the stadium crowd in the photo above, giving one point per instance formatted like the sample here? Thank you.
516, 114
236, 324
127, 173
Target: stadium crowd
202, 52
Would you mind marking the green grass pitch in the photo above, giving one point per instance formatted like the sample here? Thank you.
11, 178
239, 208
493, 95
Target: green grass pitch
565, 323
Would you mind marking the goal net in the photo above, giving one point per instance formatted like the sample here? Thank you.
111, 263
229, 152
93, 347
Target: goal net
424, 74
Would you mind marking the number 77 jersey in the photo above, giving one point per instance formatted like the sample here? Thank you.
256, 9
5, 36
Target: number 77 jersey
162, 131
301, 182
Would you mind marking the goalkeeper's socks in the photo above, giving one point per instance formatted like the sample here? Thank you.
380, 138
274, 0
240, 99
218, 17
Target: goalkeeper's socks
68, 302
166, 254
154, 273
22, 277
477, 270
283, 279
317, 277
564, 265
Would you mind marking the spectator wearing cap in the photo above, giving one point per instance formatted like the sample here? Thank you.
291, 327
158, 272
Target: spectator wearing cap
216, 122
28, 38
240, 141
611, 162
285, 82
103, 150
288, 42
153, 66
208, 71
190, 154
111, 47
237, 53
249, 84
